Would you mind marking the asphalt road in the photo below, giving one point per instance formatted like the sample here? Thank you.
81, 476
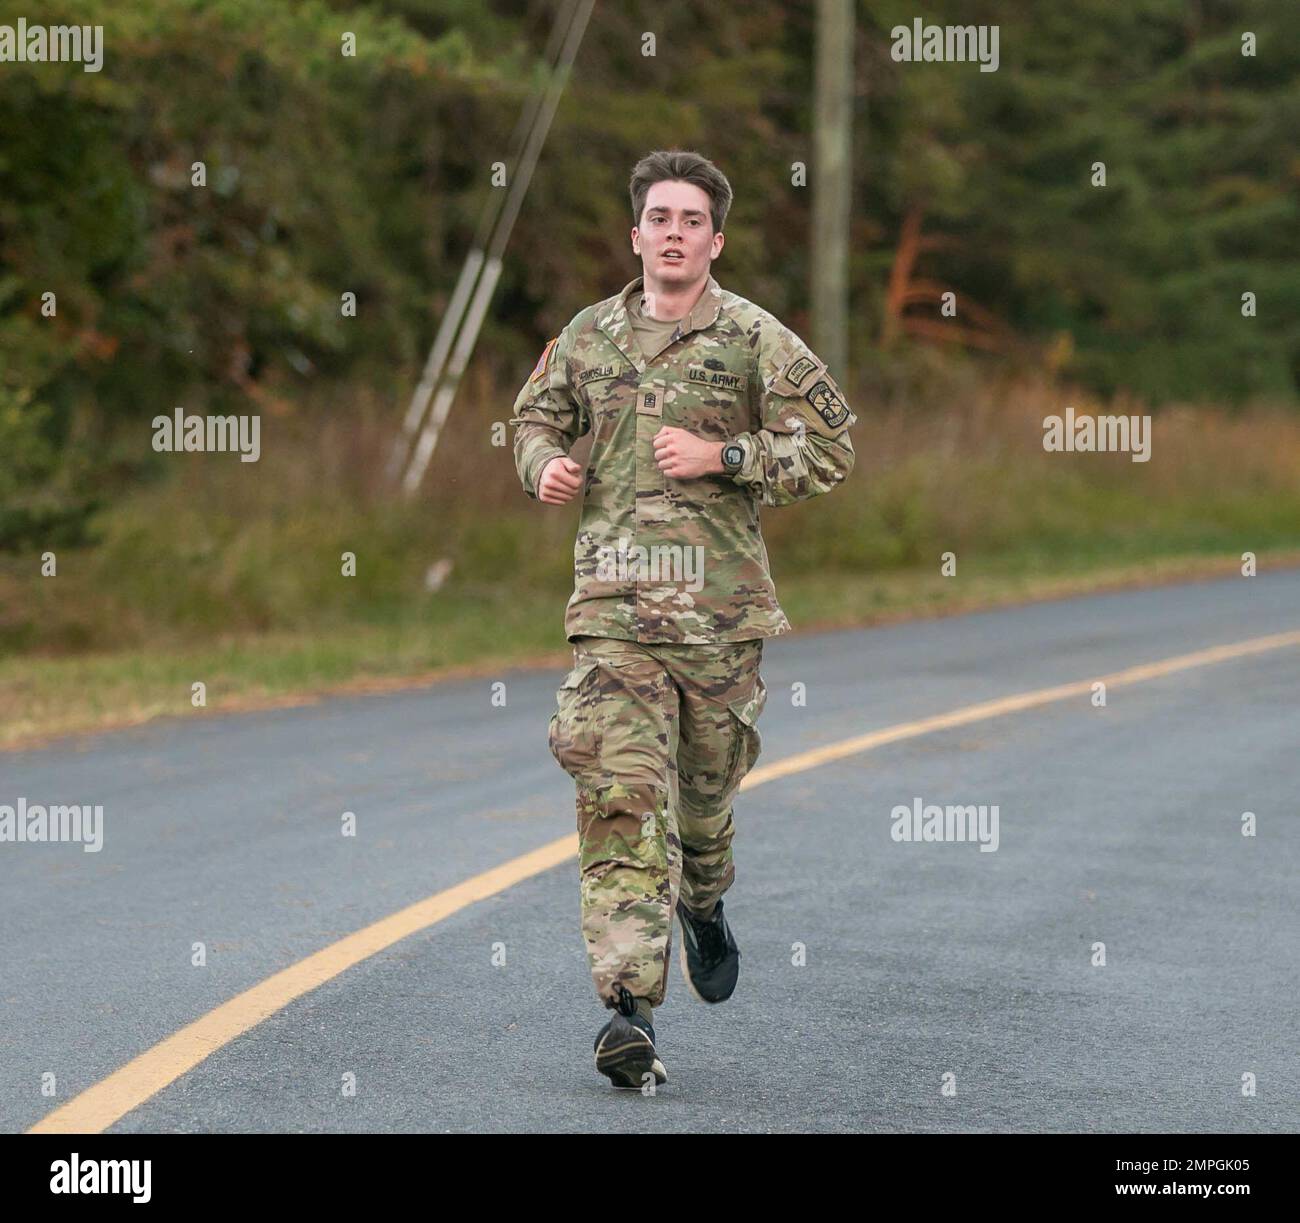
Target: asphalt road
1118, 824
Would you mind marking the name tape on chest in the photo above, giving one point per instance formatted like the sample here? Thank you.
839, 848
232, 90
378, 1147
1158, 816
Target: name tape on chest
598, 373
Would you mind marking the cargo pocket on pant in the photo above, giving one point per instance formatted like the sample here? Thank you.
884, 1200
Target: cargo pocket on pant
624, 826
574, 735
746, 743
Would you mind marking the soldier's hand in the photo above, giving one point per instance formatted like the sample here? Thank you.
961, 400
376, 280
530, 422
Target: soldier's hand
561, 479
683, 456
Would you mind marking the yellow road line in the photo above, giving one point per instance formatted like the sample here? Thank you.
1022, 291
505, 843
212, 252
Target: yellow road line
107, 1101
1014, 704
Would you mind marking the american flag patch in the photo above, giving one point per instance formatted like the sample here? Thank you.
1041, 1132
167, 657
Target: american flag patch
540, 368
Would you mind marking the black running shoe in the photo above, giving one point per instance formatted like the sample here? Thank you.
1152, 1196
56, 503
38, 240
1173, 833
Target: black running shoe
625, 1048
709, 958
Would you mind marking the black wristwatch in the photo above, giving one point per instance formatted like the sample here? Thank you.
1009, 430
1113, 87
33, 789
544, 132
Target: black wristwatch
733, 457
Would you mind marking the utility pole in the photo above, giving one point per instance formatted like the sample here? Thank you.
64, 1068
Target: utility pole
832, 179
458, 332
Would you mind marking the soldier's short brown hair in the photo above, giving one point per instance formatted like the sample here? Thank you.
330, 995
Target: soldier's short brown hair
680, 165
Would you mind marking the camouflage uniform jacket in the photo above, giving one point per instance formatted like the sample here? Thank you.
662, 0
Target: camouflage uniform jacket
681, 561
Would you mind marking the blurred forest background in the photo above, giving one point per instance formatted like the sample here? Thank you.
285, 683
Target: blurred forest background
329, 174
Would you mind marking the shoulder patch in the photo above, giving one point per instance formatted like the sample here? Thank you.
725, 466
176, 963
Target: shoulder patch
797, 369
543, 361
828, 402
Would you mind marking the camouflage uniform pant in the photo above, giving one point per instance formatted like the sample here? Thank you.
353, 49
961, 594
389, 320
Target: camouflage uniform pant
657, 738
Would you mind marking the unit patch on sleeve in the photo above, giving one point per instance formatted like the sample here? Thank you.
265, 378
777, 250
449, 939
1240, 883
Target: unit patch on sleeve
798, 369
830, 407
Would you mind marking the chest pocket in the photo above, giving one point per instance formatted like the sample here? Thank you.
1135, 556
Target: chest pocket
713, 396
606, 387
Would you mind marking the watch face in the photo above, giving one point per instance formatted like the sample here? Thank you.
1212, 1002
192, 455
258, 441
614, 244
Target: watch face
733, 456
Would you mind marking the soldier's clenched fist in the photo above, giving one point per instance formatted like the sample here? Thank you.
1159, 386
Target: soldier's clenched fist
683, 456
561, 479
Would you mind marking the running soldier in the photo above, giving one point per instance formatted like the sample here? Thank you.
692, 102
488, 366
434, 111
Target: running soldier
702, 406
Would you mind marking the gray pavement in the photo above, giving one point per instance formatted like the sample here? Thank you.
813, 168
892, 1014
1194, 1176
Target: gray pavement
1118, 825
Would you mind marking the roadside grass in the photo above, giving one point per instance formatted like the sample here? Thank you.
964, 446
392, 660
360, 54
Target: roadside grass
232, 575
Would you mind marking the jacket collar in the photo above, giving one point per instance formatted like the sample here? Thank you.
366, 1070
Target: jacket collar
613, 319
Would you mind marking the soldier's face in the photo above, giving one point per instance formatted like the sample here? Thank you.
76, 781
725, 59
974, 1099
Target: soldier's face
675, 239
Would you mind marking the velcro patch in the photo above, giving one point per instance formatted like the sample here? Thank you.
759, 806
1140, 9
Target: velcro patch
704, 375
798, 369
598, 373
828, 402
543, 361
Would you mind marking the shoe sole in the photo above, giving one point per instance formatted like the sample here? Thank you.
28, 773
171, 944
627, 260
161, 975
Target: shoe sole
685, 972
627, 1063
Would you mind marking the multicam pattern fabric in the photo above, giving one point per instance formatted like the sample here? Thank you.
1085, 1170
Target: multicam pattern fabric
663, 560
658, 739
